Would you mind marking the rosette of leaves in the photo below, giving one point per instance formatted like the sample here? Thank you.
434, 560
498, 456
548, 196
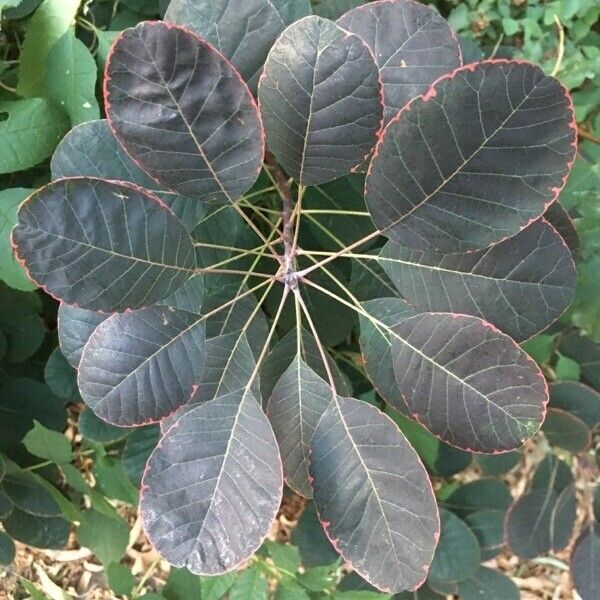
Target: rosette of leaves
205, 283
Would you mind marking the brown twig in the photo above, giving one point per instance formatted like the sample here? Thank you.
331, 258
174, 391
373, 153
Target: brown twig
588, 135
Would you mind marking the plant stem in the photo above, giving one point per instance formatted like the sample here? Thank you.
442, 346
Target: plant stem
256, 230
242, 251
351, 213
147, 573
339, 253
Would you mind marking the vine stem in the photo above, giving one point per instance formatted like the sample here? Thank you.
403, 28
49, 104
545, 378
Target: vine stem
364, 240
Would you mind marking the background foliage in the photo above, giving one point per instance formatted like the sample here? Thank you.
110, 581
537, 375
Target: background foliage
51, 57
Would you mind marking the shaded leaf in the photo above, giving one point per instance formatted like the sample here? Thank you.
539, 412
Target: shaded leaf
412, 45
244, 32
373, 495
552, 473
587, 353
577, 398
521, 285
85, 241
566, 431
478, 495
6, 504
585, 563
559, 218
48, 444
120, 578
474, 160
485, 583
91, 150
209, 146
113, 481
138, 447
322, 107
139, 367
41, 532
497, 464
298, 400
450, 566
61, 377
488, 527
7, 549
94, 429
309, 537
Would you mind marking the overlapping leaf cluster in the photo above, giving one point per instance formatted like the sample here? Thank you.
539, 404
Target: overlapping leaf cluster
205, 283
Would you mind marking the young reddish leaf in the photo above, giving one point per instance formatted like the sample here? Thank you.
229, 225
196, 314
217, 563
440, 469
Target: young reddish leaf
141, 366
585, 563
197, 133
91, 150
320, 98
242, 31
521, 285
298, 400
467, 382
213, 485
577, 398
477, 158
559, 218
373, 495
75, 326
85, 241
412, 44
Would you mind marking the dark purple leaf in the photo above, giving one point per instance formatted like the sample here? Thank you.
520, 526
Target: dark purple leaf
373, 495
376, 348
75, 326
213, 485
467, 382
297, 402
183, 113
242, 31
139, 367
577, 398
91, 150
477, 158
320, 98
85, 241
585, 563
413, 46
521, 285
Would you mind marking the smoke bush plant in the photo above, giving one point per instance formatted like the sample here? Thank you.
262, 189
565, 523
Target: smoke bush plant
194, 296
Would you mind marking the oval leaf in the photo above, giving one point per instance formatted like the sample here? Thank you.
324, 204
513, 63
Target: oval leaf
467, 382
91, 150
559, 218
86, 242
373, 495
585, 563
298, 400
577, 398
141, 366
521, 285
199, 134
320, 98
242, 31
566, 431
478, 157
413, 45
213, 486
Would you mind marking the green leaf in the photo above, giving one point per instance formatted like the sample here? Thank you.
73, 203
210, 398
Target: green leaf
251, 585
29, 132
566, 431
318, 579
488, 527
8, 4
11, 271
41, 532
71, 78
311, 541
29, 496
94, 429
120, 579
539, 347
497, 464
214, 588
61, 377
290, 590
285, 557
113, 481
107, 538
7, 549
477, 495
138, 447
567, 369
182, 585
49, 23
48, 444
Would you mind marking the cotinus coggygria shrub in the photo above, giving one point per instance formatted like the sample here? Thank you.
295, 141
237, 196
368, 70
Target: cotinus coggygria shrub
266, 185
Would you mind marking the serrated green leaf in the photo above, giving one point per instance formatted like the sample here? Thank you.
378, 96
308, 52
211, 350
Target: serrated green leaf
285, 557
250, 585
48, 444
70, 78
